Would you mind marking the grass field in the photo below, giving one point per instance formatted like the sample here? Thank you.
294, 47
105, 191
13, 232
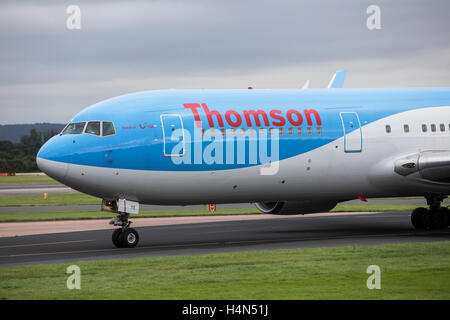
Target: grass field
408, 271
85, 215
52, 200
21, 180
81, 199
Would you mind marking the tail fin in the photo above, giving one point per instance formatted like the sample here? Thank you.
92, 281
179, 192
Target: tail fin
306, 85
338, 79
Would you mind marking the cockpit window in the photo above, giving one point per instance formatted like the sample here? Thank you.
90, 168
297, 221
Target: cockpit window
74, 128
93, 127
108, 128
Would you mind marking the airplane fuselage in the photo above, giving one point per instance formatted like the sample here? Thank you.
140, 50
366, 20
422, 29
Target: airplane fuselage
221, 146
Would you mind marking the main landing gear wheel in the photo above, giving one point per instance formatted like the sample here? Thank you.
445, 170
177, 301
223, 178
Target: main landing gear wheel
439, 218
419, 218
436, 217
124, 237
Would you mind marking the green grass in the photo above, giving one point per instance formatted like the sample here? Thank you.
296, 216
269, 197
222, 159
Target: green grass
81, 199
97, 214
52, 200
408, 271
85, 215
21, 180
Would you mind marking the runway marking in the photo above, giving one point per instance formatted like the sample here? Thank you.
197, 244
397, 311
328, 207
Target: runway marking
113, 249
43, 244
387, 216
228, 243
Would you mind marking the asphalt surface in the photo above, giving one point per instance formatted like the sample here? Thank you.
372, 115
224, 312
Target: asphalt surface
219, 237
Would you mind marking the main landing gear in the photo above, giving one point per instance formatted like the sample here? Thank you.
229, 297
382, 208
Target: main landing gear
124, 237
436, 217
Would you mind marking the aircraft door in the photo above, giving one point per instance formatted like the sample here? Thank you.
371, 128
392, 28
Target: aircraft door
352, 132
173, 135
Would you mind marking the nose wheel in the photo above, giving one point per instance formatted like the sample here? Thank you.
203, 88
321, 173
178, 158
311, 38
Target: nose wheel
124, 237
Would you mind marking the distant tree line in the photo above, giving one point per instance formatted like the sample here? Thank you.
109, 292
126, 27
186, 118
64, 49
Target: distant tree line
21, 157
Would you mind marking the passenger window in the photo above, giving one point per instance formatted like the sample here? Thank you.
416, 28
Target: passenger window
281, 131
74, 128
433, 127
309, 130
203, 132
319, 130
424, 128
242, 131
272, 131
262, 131
93, 127
291, 130
388, 128
406, 128
232, 132
442, 126
252, 131
108, 128
299, 130
223, 131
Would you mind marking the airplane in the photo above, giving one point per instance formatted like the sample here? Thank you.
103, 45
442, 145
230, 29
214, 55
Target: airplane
288, 151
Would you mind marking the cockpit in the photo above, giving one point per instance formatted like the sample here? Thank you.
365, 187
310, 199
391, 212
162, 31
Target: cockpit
96, 128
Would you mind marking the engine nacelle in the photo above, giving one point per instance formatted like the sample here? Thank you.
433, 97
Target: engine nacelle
295, 207
432, 165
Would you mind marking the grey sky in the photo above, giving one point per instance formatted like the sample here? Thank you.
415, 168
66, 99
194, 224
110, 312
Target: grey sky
48, 73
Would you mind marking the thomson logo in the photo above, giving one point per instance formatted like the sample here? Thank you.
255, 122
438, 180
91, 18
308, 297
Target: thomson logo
254, 118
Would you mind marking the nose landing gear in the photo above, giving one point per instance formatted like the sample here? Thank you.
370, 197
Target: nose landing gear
436, 217
124, 237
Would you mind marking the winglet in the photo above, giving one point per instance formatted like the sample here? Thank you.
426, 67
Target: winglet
338, 79
306, 85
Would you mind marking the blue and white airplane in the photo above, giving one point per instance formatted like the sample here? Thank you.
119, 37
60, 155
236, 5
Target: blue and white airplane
290, 151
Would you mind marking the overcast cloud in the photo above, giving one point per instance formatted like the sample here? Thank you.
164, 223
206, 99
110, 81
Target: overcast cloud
48, 73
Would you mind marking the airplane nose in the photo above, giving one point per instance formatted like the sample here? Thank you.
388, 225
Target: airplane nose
53, 158
54, 169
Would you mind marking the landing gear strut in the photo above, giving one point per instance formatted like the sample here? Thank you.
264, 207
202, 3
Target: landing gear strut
436, 217
124, 237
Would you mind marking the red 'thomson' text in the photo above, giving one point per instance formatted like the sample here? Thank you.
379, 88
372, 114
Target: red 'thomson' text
253, 117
